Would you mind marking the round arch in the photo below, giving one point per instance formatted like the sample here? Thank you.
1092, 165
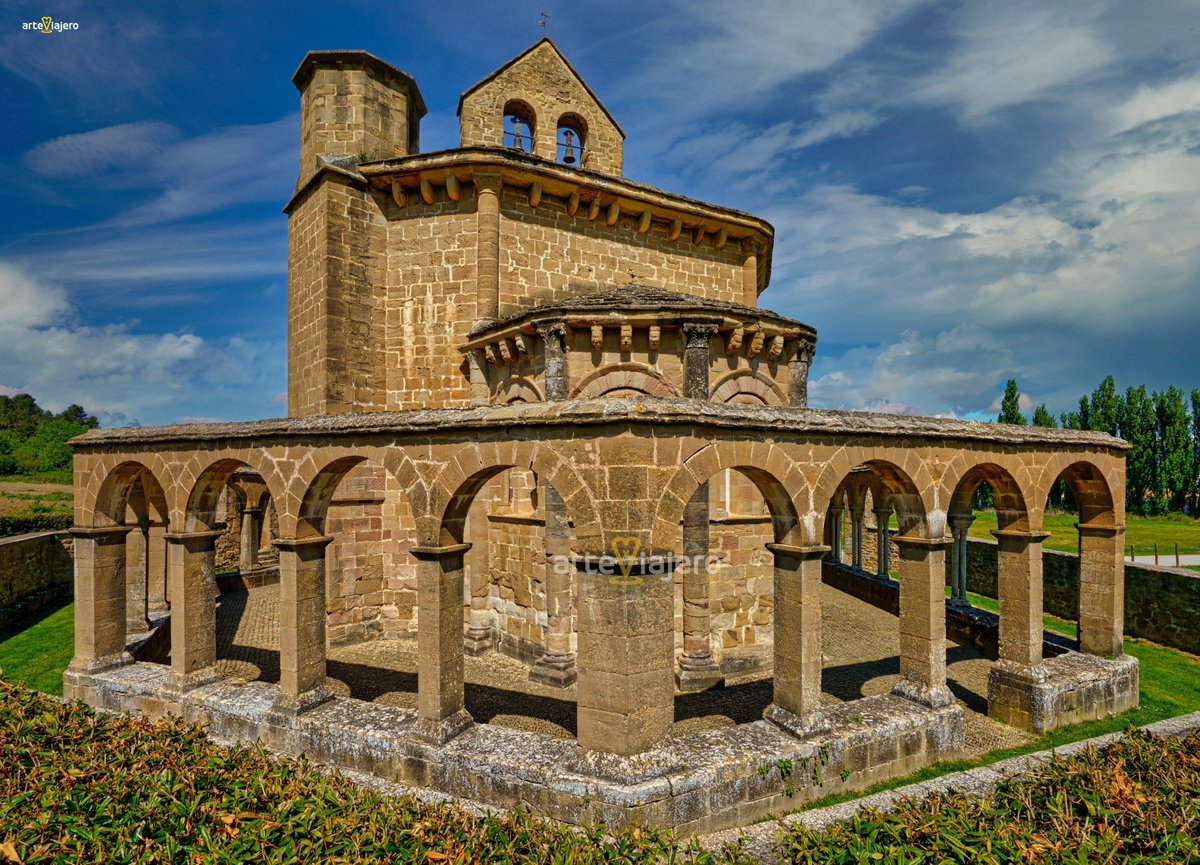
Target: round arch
747, 386
628, 375
765, 465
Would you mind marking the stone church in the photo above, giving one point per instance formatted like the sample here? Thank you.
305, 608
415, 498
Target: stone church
535, 409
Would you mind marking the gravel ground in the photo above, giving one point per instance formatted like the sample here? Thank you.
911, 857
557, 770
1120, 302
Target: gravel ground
861, 647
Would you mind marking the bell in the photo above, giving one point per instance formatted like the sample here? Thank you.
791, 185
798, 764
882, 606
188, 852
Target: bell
569, 155
518, 137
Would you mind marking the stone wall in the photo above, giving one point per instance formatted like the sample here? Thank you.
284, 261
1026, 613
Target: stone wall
1161, 604
35, 571
547, 255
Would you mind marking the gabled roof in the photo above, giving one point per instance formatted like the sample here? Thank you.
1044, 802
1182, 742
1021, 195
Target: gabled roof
522, 56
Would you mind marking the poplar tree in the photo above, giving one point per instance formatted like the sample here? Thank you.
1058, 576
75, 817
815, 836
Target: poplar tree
1010, 406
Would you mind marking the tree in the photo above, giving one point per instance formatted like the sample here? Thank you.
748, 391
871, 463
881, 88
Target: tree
1137, 428
1010, 405
1042, 417
21, 415
75, 413
1104, 413
1173, 449
1195, 483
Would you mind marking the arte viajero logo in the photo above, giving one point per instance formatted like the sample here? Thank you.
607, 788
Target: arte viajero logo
49, 26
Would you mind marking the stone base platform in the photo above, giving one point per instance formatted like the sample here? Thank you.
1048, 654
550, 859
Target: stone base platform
711, 780
1066, 689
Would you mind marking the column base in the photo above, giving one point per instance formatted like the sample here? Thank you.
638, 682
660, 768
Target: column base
179, 684
935, 697
287, 706
698, 674
81, 668
960, 603
555, 670
1064, 690
478, 641
800, 726
441, 732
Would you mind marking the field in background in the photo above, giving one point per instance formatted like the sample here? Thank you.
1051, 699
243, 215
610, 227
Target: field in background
1142, 532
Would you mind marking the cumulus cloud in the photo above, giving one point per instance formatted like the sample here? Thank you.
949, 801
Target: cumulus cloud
114, 370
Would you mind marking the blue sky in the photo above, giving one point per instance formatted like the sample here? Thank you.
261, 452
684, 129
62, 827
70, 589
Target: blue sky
962, 192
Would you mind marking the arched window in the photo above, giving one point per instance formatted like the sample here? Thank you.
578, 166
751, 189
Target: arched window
519, 126
572, 140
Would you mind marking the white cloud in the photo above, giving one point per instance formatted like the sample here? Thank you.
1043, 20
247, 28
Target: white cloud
115, 371
1011, 53
127, 145
1099, 274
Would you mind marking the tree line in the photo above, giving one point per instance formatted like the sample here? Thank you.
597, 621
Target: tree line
1162, 470
33, 439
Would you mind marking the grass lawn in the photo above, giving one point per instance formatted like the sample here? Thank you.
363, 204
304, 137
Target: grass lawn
61, 476
1142, 532
37, 656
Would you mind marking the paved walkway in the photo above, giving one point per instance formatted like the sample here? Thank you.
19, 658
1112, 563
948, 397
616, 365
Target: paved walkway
861, 644
1167, 559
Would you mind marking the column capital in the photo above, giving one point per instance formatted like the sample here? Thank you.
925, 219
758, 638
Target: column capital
698, 333
486, 181
923, 543
1099, 531
883, 512
99, 532
434, 554
192, 537
751, 246
1020, 534
804, 351
551, 328
811, 551
296, 543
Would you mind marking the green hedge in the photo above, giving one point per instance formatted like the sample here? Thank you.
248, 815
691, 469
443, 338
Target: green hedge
78, 786
25, 523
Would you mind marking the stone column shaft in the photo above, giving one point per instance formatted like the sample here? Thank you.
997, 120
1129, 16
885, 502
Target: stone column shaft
487, 255
556, 666
99, 599
301, 624
156, 568
883, 557
137, 579
441, 707
1019, 573
481, 391
251, 532
190, 579
958, 558
626, 687
923, 621
798, 375
1102, 590
698, 670
835, 534
797, 645
697, 354
557, 384
750, 273
856, 539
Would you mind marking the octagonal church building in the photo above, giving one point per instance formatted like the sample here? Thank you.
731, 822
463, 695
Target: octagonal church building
549, 499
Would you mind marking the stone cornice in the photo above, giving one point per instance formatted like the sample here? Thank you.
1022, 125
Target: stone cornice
642, 411
525, 171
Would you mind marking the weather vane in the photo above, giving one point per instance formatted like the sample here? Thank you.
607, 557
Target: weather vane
542, 19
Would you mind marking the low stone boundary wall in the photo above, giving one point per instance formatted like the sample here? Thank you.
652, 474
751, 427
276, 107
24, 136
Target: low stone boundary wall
1161, 604
36, 571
